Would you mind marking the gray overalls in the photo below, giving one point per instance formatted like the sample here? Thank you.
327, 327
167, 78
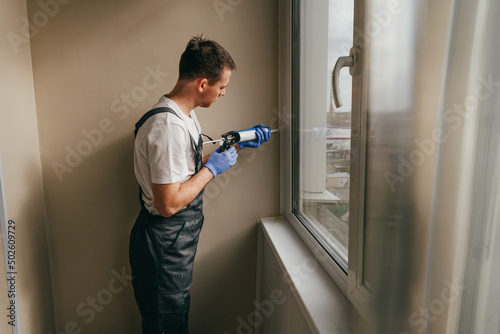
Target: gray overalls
162, 254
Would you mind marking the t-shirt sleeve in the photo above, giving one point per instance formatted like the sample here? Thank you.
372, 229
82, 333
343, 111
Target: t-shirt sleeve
166, 150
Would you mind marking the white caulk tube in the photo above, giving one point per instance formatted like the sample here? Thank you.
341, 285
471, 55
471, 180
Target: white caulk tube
233, 137
248, 135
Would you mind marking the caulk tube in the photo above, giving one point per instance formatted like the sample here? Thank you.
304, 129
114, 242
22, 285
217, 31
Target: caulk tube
246, 135
250, 138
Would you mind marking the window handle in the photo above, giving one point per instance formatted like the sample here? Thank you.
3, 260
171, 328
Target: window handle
347, 61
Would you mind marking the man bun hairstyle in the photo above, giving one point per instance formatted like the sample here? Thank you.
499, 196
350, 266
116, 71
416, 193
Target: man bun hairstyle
204, 58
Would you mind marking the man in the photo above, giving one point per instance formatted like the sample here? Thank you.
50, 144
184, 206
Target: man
172, 173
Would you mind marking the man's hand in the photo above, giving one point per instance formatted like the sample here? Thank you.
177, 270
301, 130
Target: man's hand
170, 198
262, 132
219, 162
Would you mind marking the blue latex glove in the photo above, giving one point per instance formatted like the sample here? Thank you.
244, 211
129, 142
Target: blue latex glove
219, 162
263, 134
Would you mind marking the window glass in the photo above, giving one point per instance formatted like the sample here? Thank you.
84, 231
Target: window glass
322, 132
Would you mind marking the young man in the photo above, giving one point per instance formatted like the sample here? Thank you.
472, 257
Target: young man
172, 173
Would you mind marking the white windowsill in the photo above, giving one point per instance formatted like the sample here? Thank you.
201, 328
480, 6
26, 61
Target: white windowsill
324, 306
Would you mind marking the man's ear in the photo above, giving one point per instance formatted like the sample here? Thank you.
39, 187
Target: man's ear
201, 84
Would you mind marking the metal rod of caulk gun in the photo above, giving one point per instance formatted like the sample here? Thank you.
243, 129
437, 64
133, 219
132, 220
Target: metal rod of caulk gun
219, 140
212, 141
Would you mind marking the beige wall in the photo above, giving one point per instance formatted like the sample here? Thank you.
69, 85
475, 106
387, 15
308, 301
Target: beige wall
92, 62
23, 177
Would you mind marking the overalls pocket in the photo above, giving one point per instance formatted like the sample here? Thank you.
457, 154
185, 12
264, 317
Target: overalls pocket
171, 234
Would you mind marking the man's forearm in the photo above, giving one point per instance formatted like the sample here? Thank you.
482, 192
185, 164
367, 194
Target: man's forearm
171, 198
191, 188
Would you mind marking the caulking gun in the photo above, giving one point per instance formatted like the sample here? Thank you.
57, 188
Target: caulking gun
232, 137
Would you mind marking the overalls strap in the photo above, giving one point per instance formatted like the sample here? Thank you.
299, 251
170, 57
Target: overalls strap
151, 113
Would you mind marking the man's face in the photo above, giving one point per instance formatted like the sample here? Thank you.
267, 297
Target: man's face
212, 92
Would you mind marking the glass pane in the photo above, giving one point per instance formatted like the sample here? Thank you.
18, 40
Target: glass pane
322, 132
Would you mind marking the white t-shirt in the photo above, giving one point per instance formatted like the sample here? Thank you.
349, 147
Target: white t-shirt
164, 151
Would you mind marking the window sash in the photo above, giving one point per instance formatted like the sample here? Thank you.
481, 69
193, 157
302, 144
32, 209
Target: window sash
350, 284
